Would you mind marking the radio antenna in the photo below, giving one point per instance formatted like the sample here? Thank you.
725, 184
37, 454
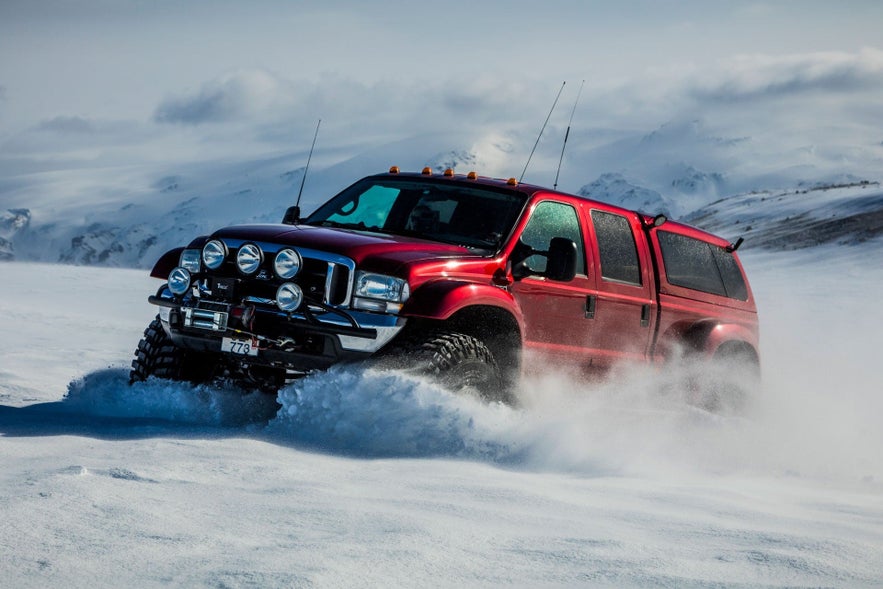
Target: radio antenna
292, 214
523, 172
567, 134
307, 169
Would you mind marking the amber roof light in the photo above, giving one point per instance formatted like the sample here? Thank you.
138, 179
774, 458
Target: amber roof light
472, 176
512, 182
427, 171
394, 170
449, 172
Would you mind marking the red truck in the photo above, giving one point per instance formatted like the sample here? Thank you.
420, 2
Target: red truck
471, 280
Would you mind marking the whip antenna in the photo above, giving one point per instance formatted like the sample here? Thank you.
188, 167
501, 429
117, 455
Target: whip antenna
567, 134
307, 168
292, 214
541, 132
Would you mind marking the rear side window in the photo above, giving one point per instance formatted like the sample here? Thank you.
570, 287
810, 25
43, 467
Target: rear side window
734, 282
617, 248
698, 265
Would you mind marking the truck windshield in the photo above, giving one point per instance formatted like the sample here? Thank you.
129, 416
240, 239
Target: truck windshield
449, 212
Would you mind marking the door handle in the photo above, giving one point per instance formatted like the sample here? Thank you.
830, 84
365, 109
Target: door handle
645, 316
590, 306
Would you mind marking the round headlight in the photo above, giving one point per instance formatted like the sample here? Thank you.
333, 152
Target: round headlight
289, 296
179, 281
249, 258
287, 264
213, 254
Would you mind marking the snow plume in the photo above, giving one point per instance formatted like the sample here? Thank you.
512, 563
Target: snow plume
107, 393
386, 414
640, 422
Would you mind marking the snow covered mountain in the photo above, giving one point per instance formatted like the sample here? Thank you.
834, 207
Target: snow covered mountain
128, 216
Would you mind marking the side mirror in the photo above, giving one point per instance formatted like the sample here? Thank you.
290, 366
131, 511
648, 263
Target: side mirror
292, 216
562, 260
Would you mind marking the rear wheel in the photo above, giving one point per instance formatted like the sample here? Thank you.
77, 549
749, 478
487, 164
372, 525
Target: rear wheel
459, 362
728, 381
157, 356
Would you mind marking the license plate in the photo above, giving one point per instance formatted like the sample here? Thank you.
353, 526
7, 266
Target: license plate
241, 347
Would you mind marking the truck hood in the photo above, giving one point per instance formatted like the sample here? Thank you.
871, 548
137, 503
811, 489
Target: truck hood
372, 250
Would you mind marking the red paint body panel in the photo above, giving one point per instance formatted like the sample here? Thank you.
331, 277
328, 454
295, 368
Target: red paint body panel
361, 247
590, 321
443, 298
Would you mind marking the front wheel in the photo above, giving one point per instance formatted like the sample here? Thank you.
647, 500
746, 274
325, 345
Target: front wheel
157, 356
459, 362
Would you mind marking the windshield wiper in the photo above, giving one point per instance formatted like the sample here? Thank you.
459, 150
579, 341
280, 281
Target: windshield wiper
360, 226
441, 238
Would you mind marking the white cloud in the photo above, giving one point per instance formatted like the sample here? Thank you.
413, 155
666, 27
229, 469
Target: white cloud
751, 77
68, 124
274, 111
229, 97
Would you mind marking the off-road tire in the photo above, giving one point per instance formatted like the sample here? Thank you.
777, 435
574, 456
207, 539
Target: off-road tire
459, 362
726, 383
157, 356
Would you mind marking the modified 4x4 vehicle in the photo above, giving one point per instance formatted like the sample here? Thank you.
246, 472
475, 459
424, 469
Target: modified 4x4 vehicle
468, 279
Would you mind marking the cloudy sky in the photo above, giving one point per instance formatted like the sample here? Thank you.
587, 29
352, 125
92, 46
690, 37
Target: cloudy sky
112, 81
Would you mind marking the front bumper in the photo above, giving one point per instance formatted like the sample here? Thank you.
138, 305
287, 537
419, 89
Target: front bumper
313, 338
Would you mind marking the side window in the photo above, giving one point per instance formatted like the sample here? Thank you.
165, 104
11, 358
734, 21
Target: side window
617, 248
695, 264
553, 219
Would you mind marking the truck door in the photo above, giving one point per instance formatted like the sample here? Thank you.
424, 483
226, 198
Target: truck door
554, 312
624, 306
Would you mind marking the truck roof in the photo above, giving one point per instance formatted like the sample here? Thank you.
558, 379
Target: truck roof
512, 184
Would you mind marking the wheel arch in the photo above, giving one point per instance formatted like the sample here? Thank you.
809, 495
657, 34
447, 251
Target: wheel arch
487, 313
499, 331
716, 340
442, 299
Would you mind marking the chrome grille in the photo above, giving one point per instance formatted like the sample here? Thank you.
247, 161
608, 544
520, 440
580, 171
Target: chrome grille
325, 277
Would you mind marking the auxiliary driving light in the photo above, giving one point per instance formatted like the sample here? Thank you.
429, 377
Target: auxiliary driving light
289, 296
179, 281
249, 258
189, 260
213, 254
287, 263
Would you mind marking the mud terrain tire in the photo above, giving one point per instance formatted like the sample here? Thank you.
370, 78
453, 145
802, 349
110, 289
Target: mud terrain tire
157, 356
459, 362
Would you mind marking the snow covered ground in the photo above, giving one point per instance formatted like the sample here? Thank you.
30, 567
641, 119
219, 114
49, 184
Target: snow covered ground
366, 479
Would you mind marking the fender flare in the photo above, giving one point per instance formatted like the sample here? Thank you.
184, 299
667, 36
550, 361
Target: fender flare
166, 263
709, 336
169, 260
441, 299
